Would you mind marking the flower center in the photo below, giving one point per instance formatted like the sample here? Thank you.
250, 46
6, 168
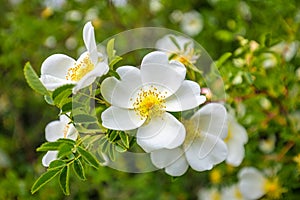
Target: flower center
216, 195
80, 69
273, 188
229, 135
238, 194
192, 132
186, 57
149, 103
66, 129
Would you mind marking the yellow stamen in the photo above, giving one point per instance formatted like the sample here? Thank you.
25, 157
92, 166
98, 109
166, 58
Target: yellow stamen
80, 69
192, 132
186, 58
66, 129
238, 194
216, 196
149, 103
273, 188
215, 176
229, 135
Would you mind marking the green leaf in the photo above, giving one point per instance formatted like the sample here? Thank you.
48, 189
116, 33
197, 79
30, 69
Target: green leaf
114, 60
64, 180
52, 146
78, 169
110, 49
120, 148
84, 118
111, 151
49, 146
223, 59
33, 80
57, 164
62, 89
173, 39
113, 135
66, 140
67, 107
124, 138
114, 73
44, 179
65, 150
61, 95
88, 157
49, 99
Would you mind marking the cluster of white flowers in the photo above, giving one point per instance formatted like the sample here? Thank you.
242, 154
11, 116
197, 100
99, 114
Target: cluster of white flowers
253, 184
191, 22
144, 99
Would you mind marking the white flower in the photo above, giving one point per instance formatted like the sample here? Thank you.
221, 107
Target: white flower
119, 3
59, 69
191, 23
253, 184
287, 49
236, 138
55, 4
55, 130
155, 6
203, 146
176, 16
269, 60
267, 145
232, 193
209, 194
178, 48
142, 97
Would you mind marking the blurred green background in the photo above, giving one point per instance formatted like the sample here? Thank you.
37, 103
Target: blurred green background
33, 30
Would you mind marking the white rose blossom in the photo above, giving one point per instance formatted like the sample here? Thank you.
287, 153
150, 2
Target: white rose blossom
191, 23
60, 69
236, 138
178, 48
232, 193
203, 146
55, 130
209, 194
253, 184
287, 49
141, 98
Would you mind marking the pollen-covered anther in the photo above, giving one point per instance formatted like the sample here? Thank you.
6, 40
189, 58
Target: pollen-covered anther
149, 103
80, 69
66, 129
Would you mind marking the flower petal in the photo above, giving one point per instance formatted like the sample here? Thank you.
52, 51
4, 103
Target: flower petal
158, 71
172, 159
166, 44
52, 82
100, 69
55, 130
211, 119
57, 65
251, 183
162, 158
121, 92
161, 132
90, 42
238, 132
205, 152
178, 168
185, 98
71, 131
120, 119
236, 153
49, 157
